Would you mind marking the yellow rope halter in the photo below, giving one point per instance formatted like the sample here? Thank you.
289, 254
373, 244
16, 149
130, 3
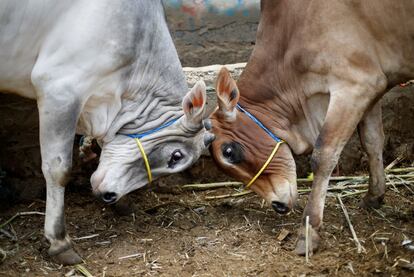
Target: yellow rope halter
146, 162
141, 148
264, 165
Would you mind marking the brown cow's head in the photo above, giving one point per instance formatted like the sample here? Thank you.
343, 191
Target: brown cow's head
241, 148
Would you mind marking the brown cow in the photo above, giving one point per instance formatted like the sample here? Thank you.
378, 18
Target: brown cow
316, 74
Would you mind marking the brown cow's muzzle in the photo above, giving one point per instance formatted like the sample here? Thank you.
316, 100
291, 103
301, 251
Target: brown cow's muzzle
280, 207
279, 192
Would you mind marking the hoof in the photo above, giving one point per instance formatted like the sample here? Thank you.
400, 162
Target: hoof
314, 240
371, 202
67, 257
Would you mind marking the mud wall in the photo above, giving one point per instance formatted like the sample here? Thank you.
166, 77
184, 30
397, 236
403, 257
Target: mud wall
213, 31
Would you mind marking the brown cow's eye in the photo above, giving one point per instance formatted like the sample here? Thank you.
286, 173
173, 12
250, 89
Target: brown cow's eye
232, 152
228, 151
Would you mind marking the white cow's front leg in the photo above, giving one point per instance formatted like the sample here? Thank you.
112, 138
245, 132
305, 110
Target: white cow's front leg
55, 230
58, 116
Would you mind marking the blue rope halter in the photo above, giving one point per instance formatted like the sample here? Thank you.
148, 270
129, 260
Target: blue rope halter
150, 132
274, 151
137, 138
260, 124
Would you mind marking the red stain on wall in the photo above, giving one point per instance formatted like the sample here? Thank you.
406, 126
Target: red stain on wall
189, 10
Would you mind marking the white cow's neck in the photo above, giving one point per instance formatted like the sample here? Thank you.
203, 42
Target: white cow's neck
149, 90
156, 87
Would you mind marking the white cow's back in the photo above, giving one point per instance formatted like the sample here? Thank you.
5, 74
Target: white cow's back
23, 27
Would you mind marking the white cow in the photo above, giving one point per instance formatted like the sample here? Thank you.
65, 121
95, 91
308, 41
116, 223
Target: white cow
105, 69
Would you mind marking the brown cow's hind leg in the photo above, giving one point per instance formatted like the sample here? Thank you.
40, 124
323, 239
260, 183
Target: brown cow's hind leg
372, 139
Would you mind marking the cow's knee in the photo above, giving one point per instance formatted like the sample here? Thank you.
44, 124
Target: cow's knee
57, 170
324, 158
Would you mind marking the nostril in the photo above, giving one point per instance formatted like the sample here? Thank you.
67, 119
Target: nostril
109, 197
280, 207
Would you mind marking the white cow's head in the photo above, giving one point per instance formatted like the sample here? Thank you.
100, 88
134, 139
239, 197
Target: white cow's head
169, 150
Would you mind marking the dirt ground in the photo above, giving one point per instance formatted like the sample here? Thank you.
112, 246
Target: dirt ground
176, 232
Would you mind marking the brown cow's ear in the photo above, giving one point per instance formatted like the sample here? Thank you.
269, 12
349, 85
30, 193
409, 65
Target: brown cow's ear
227, 93
194, 103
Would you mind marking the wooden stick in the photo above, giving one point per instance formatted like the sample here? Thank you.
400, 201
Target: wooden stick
303, 180
137, 255
83, 270
353, 193
212, 185
307, 239
358, 186
401, 175
395, 162
406, 183
358, 244
228, 195
344, 178
403, 169
86, 237
394, 188
4, 254
305, 190
334, 188
335, 178
17, 215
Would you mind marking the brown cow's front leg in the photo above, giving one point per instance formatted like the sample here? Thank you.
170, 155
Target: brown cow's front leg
372, 139
344, 112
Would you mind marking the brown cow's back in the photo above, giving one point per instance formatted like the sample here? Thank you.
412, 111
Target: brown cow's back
303, 47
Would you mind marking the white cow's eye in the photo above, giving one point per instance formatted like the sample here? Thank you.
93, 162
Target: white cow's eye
175, 157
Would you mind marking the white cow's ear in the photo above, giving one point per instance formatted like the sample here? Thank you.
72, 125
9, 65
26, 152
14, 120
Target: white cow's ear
227, 94
194, 103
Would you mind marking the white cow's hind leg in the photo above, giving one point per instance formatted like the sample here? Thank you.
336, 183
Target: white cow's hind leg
372, 139
58, 116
